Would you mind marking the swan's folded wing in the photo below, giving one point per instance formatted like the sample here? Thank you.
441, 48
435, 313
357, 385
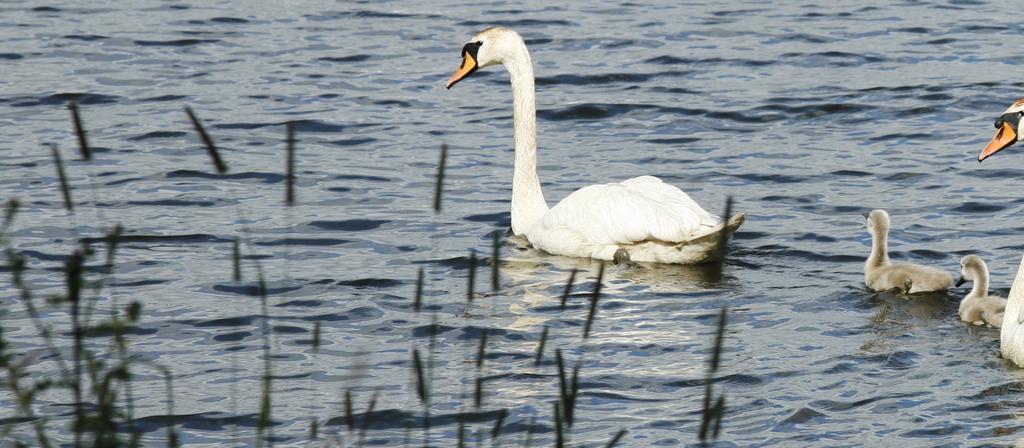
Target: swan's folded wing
639, 209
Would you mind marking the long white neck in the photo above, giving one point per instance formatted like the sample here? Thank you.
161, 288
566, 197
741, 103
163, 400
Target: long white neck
980, 287
528, 204
879, 249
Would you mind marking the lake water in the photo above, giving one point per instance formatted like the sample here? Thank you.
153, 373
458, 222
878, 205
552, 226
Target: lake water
808, 115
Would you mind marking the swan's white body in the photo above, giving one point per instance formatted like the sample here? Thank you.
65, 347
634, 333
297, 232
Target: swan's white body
1011, 335
650, 220
882, 275
978, 307
1009, 127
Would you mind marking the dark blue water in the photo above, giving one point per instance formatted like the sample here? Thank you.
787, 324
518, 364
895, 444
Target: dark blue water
807, 114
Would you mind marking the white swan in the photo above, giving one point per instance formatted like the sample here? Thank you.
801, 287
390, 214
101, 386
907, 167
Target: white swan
882, 275
1011, 335
641, 219
977, 307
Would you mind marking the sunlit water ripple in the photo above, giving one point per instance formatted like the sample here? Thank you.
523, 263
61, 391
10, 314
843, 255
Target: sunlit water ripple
808, 115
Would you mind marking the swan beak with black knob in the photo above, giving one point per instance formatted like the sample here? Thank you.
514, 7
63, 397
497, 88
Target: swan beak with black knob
469, 64
1007, 130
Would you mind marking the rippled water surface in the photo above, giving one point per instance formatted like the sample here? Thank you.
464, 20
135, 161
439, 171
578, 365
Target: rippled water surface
808, 114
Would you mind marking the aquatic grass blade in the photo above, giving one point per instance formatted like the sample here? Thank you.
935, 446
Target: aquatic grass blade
236, 261
471, 283
723, 237
439, 182
211, 149
502, 415
594, 298
289, 192
478, 392
83, 142
482, 350
418, 300
540, 346
421, 385
495, 261
568, 287
616, 439
65, 190
712, 414
316, 336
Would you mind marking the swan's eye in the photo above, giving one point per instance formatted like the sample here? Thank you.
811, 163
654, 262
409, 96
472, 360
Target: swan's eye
471, 48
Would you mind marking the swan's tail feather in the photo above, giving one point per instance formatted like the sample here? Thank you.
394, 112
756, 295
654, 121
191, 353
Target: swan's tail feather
708, 247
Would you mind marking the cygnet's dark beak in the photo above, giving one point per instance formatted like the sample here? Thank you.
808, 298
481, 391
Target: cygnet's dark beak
960, 281
865, 215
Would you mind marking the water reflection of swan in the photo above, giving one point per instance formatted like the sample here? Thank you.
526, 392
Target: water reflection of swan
532, 267
641, 219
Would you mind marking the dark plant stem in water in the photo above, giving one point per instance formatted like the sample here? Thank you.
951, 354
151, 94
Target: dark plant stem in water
723, 237
73, 275
65, 190
83, 143
568, 287
211, 149
540, 345
594, 298
482, 350
711, 416
417, 302
616, 439
496, 261
439, 183
472, 275
172, 434
289, 192
236, 261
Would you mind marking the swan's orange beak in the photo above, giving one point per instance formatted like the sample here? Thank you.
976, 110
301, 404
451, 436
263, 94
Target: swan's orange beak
1005, 136
467, 68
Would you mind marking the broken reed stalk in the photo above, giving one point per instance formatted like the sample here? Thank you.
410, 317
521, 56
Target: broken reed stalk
711, 416
211, 149
289, 178
594, 298
264, 422
502, 414
316, 337
496, 260
567, 389
461, 435
83, 143
236, 260
723, 238
568, 288
478, 392
350, 419
421, 384
9, 212
540, 346
418, 300
74, 284
559, 437
439, 183
172, 435
616, 439
482, 350
472, 275
65, 190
